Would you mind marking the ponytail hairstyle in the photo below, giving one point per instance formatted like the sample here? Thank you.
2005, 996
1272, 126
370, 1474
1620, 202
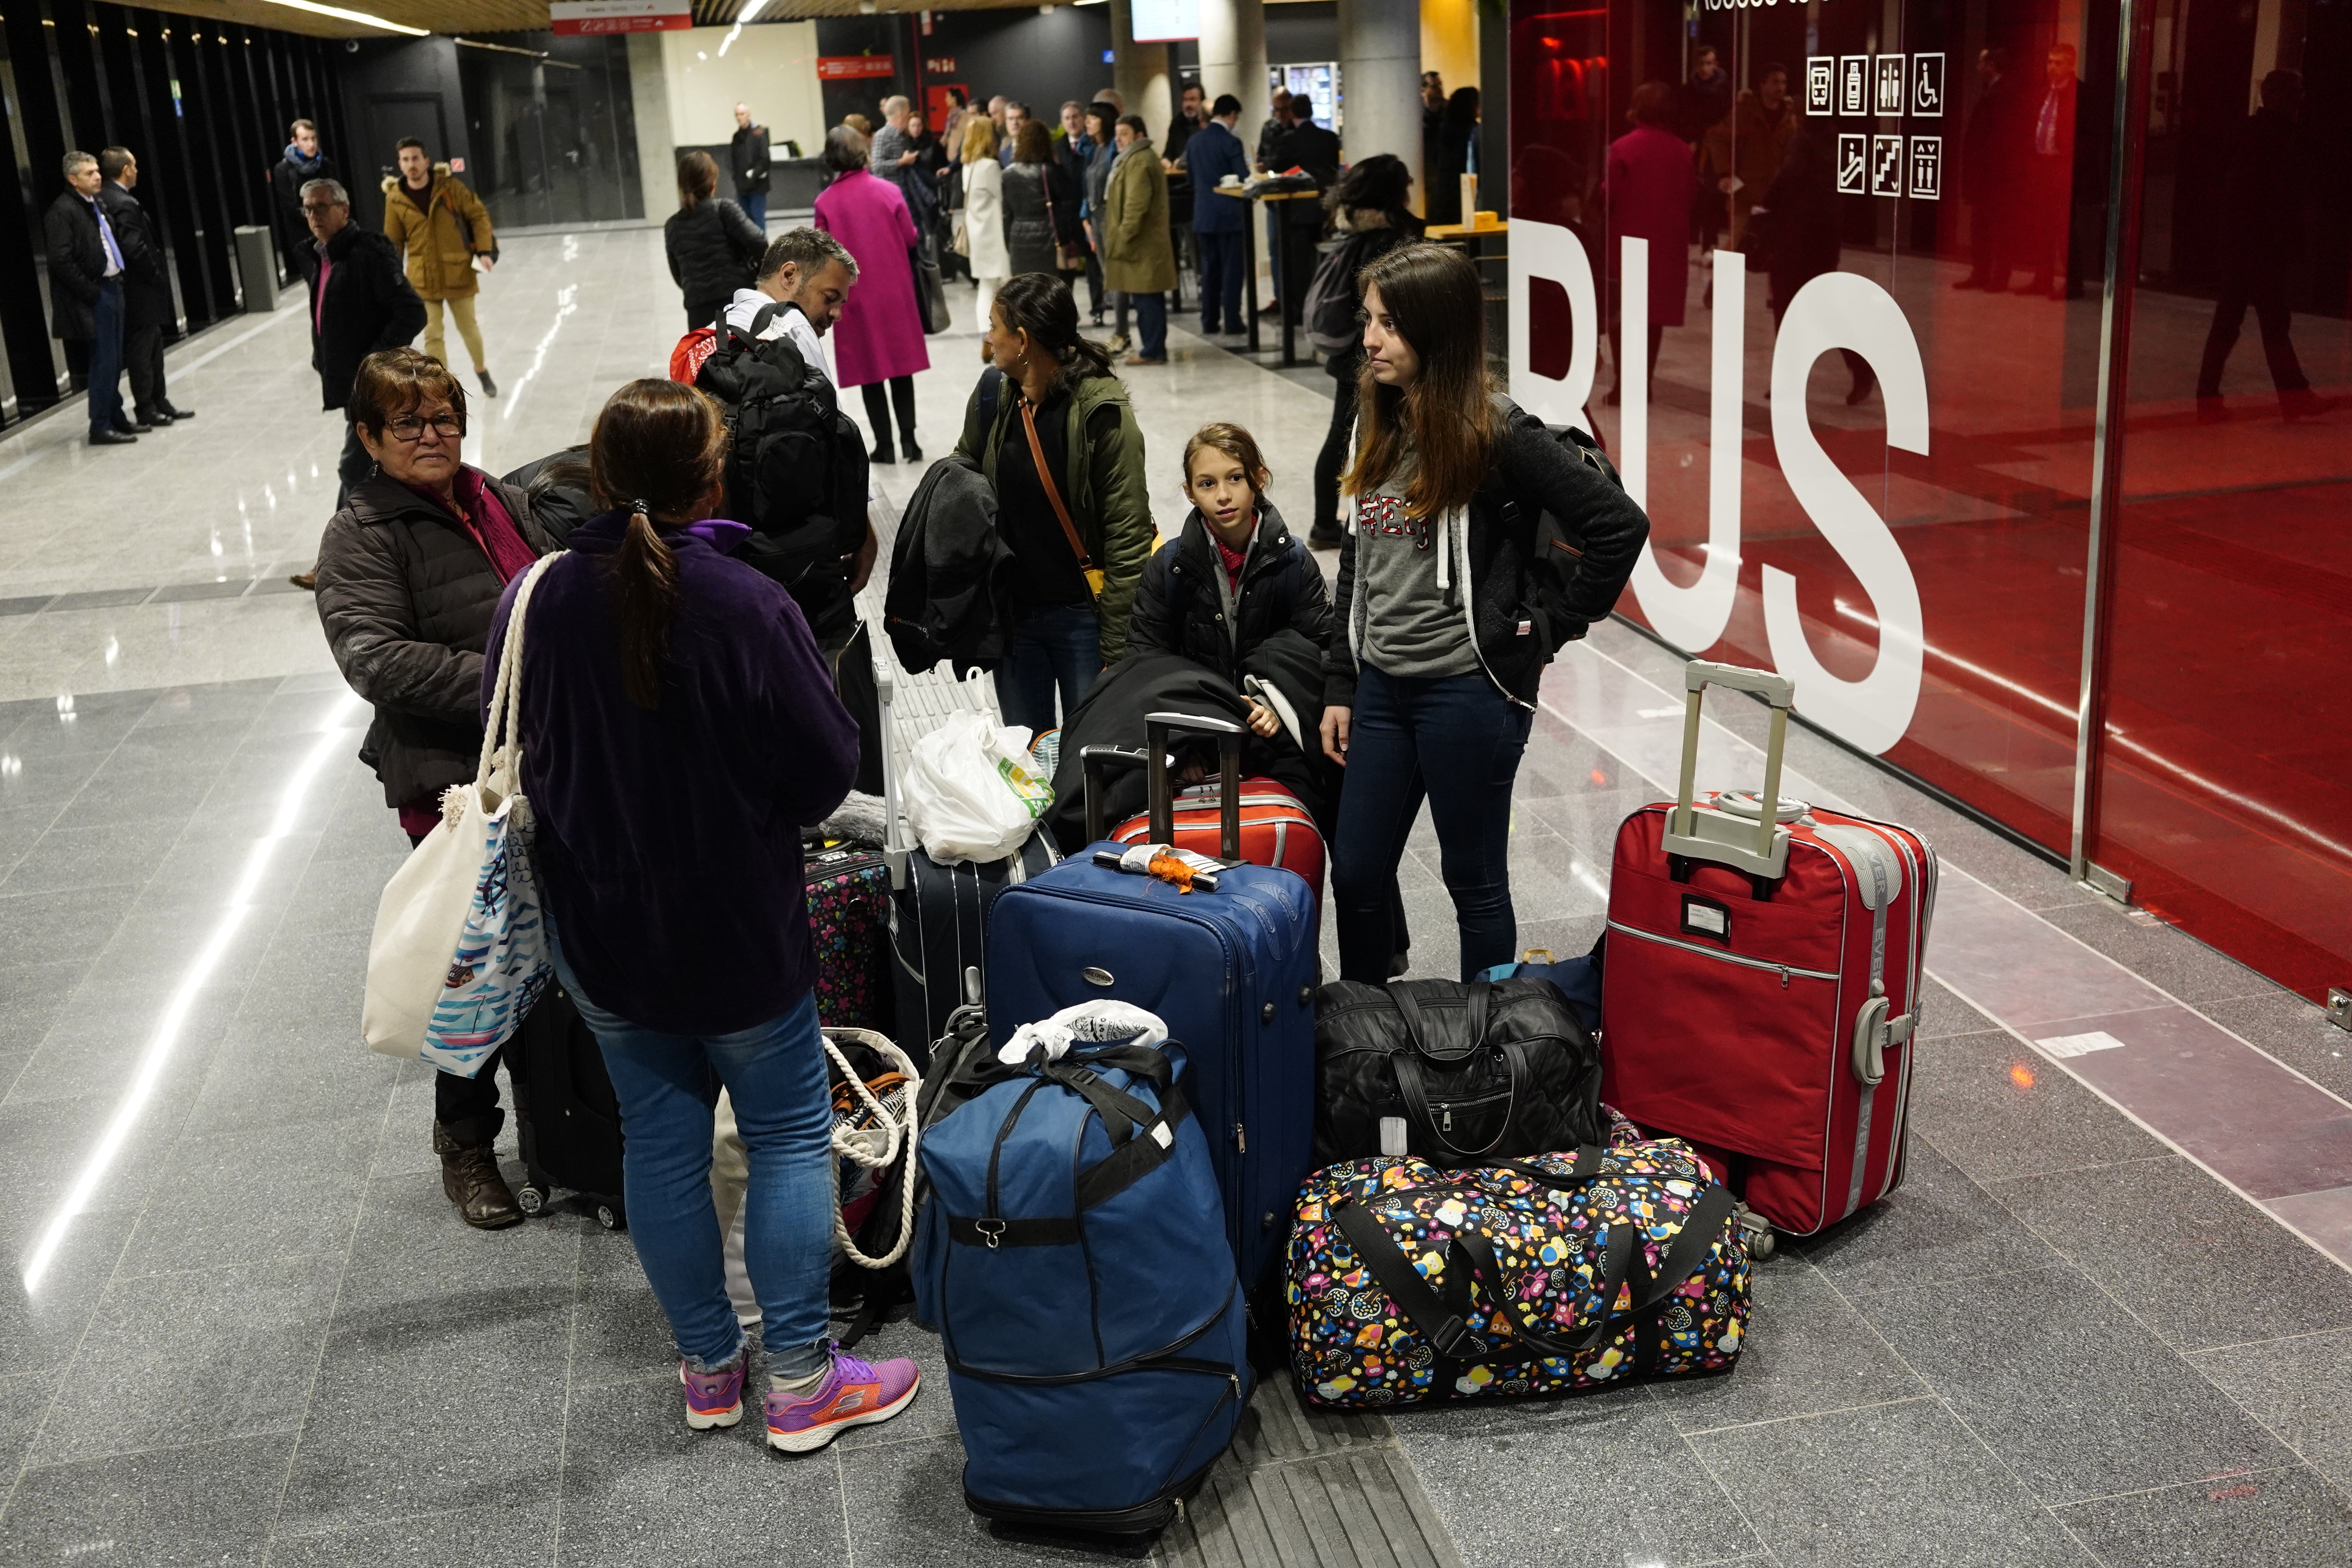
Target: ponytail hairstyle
1042, 305
658, 450
1432, 293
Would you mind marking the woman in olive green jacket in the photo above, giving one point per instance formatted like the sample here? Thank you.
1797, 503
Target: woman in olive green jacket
1138, 247
1050, 428
442, 224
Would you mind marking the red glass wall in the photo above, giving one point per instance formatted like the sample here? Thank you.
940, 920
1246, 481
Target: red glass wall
2223, 779
1872, 258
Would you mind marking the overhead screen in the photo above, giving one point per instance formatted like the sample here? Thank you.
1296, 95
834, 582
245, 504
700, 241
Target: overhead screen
1158, 21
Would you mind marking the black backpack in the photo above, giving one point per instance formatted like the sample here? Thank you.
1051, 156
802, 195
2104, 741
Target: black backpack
1558, 541
795, 468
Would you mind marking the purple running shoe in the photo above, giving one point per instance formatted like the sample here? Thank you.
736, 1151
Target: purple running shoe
852, 1392
713, 1398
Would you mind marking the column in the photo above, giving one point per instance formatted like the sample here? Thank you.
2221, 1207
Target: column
1140, 71
1233, 59
1379, 80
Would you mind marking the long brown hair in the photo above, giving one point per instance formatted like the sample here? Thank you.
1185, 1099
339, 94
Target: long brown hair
658, 449
1432, 293
698, 180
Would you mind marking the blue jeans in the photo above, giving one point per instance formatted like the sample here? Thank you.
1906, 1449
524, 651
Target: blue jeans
1057, 647
1220, 281
755, 208
106, 360
1151, 324
1458, 742
668, 1085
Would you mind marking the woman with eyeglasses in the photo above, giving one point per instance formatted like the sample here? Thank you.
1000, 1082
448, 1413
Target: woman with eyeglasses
409, 577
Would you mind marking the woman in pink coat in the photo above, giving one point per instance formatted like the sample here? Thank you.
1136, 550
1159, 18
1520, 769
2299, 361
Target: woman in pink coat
879, 336
1649, 190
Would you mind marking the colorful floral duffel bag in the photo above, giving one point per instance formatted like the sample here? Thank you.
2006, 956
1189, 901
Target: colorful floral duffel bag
1410, 1283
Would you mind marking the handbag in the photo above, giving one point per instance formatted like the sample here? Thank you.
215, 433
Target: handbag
931, 291
1053, 494
1476, 1072
1618, 1261
961, 242
460, 952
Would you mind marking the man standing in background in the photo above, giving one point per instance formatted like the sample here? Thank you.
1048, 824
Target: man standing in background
1213, 155
302, 163
147, 307
1310, 147
1277, 126
85, 296
750, 163
1016, 115
1192, 113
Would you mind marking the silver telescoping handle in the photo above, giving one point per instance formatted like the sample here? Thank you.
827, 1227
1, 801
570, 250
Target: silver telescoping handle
894, 837
1158, 729
1687, 832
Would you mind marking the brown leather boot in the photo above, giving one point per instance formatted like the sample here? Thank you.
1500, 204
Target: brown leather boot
470, 1175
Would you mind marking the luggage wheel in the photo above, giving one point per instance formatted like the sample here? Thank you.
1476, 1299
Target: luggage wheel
532, 1198
611, 1215
1756, 1230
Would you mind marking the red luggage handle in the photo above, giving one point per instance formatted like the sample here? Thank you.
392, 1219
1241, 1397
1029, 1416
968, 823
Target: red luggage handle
1715, 835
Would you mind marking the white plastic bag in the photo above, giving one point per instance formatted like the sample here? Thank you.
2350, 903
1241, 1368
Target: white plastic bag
970, 793
460, 952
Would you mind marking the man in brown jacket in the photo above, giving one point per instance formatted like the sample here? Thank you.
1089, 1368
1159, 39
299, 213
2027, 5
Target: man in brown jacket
445, 230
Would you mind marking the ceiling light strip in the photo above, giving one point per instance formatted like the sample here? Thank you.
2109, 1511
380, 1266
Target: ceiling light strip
363, 18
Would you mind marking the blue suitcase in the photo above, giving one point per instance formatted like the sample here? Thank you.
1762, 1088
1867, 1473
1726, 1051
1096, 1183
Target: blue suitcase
1231, 972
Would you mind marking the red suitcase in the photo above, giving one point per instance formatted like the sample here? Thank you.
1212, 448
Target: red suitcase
1762, 980
1277, 830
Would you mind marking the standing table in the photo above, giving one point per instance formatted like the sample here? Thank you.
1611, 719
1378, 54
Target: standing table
1282, 243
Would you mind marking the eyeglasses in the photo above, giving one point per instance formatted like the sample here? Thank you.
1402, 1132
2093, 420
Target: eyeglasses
409, 429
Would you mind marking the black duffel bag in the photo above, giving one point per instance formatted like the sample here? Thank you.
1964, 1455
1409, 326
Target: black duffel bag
1479, 1072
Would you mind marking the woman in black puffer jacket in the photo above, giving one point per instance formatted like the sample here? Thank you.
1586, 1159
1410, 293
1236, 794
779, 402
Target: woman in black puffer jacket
410, 572
1369, 214
1035, 190
714, 247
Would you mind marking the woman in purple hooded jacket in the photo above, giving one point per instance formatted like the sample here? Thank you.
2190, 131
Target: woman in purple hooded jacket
678, 727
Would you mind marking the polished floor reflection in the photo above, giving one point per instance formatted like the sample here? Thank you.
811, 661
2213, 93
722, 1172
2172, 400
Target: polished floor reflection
242, 1325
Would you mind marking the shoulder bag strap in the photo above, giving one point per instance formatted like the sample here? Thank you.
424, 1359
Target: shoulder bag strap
498, 749
1053, 494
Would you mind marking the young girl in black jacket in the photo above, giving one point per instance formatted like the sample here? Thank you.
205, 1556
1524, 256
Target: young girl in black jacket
1448, 610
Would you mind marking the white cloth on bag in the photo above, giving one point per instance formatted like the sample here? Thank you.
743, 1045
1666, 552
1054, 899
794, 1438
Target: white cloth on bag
970, 793
1104, 1022
459, 951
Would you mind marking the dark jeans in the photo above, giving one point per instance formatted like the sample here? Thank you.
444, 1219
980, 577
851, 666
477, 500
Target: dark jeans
1053, 647
703, 312
2263, 287
1456, 741
142, 355
755, 208
1220, 281
1333, 460
106, 359
1150, 324
878, 412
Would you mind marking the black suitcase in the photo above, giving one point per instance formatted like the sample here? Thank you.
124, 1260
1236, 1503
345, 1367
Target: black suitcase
567, 1118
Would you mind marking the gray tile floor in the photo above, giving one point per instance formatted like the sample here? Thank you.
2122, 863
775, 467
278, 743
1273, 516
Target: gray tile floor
257, 1333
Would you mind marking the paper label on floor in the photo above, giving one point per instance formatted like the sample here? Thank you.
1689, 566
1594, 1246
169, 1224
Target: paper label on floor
2079, 1045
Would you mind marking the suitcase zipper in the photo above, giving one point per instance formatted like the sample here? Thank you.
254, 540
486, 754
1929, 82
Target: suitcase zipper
1783, 969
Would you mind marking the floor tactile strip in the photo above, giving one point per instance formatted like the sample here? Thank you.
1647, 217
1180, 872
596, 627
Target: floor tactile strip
1300, 1487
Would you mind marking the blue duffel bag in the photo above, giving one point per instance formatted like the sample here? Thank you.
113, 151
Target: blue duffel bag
1072, 1257
1577, 979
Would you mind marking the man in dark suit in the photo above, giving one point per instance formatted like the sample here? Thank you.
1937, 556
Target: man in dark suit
1211, 155
2047, 188
86, 306
148, 312
1307, 146
301, 163
1989, 156
361, 301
